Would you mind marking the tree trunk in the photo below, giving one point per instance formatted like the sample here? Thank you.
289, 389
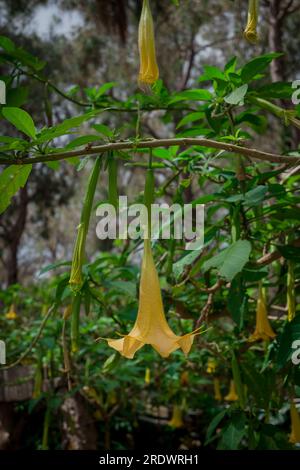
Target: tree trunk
15, 238
275, 39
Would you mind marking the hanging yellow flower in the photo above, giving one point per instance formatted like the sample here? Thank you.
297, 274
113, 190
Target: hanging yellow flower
295, 420
11, 314
232, 395
217, 389
151, 326
149, 72
211, 365
250, 32
147, 376
176, 420
263, 329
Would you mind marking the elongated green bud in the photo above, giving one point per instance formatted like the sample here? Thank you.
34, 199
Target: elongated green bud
76, 280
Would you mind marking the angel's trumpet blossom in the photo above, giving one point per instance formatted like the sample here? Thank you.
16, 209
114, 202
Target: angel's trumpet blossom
232, 395
176, 420
151, 326
295, 420
149, 72
250, 32
217, 389
263, 330
11, 314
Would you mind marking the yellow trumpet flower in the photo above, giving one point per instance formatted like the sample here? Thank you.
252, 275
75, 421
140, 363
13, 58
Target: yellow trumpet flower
147, 376
149, 72
295, 420
250, 32
176, 420
151, 326
11, 314
217, 389
211, 366
232, 395
263, 329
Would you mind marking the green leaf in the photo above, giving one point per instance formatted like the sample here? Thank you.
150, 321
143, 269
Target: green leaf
191, 117
277, 90
184, 262
237, 301
214, 423
237, 96
191, 95
233, 433
83, 140
231, 260
255, 196
11, 180
257, 65
21, 120
211, 73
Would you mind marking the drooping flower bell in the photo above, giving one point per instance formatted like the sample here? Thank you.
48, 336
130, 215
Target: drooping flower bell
176, 420
217, 389
11, 314
149, 72
263, 330
232, 395
295, 421
250, 32
151, 326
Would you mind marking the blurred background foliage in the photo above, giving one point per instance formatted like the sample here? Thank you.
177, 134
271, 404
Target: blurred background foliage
90, 61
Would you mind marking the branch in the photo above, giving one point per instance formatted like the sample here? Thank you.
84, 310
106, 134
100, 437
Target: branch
146, 144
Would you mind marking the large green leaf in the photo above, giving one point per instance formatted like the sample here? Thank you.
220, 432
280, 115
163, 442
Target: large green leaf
257, 66
237, 96
11, 180
231, 260
21, 120
234, 432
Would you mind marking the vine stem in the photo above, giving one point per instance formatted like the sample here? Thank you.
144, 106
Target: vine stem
155, 143
34, 341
